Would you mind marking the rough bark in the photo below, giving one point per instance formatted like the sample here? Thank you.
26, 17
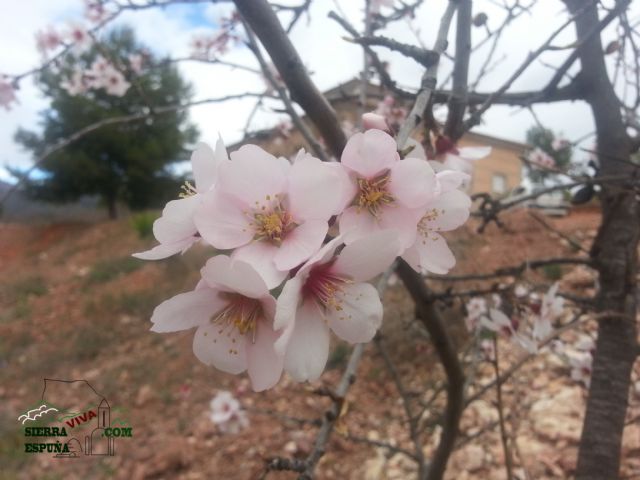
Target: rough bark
615, 256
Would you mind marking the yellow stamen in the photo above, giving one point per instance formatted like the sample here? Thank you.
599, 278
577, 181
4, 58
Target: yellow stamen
373, 194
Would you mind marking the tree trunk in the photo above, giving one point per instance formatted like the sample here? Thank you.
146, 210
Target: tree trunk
615, 256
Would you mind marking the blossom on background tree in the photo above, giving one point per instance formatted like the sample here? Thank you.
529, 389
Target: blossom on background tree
7, 93
227, 413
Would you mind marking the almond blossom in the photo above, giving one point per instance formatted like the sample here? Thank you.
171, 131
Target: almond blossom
459, 159
273, 213
388, 193
175, 229
136, 61
76, 84
560, 144
540, 158
233, 311
47, 40
496, 321
476, 308
95, 11
7, 93
78, 36
550, 308
328, 292
581, 364
430, 252
227, 413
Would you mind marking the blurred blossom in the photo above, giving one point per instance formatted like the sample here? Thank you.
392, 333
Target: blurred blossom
94, 11
488, 349
541, 158
7, 93
389, 111
75, 84
560, 144
476, 308
581, 366
551, 307
521, 291
135, 61
585, 344
78, 36
47, 40
227, 413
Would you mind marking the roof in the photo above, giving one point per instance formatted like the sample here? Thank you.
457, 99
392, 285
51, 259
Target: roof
350, 90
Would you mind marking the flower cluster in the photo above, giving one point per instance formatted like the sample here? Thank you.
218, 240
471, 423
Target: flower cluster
447, 155
227, 414
7, 93
208, 46
102, 74
530, 323
269, 301
393, 114
539, 158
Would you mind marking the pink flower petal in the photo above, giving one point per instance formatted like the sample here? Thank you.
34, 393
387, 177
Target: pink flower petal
413, 182
315, 188
260, 255
430, 254
186, 310
221, 346
450, 180
300, 244
357, 223
264, 364
234, 275
368, 256
204, 166
221, 220
373, 120
176, 222
403, 220
308, 347
165, 250
370, 153
287, 306
252, 175
360, 316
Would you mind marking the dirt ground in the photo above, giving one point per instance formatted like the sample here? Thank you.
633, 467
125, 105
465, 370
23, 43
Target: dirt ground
74, 304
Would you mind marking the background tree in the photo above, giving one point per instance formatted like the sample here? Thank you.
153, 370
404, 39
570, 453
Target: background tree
127, 162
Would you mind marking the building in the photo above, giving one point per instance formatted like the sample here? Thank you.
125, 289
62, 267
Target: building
498, 174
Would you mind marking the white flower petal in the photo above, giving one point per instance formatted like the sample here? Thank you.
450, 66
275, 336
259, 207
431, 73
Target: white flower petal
368, 256
308, 347
260, 255
234, 276
360, 315
264, 364
221, 346
186, 310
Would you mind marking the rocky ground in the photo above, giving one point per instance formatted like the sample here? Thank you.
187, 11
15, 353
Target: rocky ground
73, 304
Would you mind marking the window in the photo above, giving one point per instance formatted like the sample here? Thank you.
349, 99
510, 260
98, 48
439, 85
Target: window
498, 183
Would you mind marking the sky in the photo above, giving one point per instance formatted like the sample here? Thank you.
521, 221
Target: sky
320, 42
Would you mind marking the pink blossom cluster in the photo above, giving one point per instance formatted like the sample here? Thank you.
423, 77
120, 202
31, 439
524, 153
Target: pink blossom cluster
530, 323
227, 413
393, 114
75, 36
7, 93
297, 244
560, 144
101, 74
540, 158
96, 11
208, 46
447, 155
